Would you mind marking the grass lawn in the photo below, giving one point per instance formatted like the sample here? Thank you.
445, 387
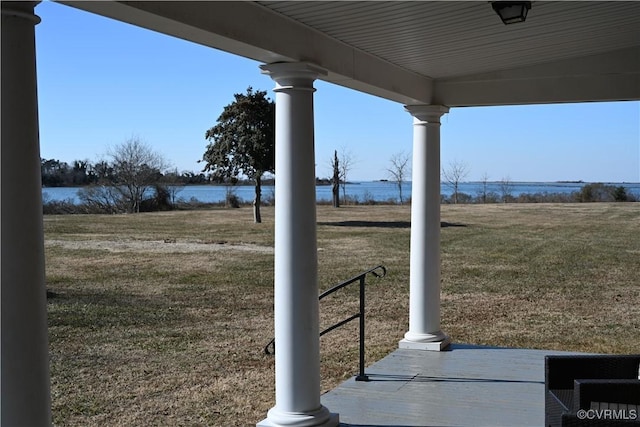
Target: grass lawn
161, 318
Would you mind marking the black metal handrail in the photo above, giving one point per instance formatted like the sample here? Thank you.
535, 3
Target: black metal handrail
379, 272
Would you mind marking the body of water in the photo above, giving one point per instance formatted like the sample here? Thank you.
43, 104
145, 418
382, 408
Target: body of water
379, 191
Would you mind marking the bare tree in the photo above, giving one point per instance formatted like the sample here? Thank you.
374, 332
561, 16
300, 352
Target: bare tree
335, 180
484, 181
347, 160
398, 170
136, 168
454, 175
174, 184
506, 187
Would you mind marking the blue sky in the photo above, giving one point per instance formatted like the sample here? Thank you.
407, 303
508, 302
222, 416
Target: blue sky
101, 82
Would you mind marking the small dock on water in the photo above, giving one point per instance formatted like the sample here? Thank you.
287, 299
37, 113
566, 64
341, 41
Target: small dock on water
466, 385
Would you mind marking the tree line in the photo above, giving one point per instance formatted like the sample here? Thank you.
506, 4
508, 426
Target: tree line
82, 173
457, 171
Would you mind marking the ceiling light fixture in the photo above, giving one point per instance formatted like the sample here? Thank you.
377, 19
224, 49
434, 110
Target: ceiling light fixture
511, 11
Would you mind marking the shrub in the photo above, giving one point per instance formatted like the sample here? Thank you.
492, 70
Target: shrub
162, 199
101, 199
368, 198
598, 192
350, 200
232, 201
620, 194
59, 207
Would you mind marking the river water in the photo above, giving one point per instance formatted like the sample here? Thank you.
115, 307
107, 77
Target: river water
379, 191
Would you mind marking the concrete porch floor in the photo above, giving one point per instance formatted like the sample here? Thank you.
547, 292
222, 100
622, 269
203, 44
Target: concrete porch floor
466, 385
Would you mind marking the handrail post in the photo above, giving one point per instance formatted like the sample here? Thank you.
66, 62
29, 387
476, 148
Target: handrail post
362, 376
361, 281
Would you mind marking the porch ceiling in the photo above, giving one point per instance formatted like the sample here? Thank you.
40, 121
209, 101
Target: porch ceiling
452, 53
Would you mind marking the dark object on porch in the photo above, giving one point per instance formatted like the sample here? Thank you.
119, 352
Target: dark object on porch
592, 390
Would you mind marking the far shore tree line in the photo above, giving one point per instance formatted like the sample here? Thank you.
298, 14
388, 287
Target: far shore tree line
134, 178
82, 173
457, 171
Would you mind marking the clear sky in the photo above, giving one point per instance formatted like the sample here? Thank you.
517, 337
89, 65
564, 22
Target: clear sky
101, 82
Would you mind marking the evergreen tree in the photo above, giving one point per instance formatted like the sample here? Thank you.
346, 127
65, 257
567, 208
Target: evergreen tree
243, 142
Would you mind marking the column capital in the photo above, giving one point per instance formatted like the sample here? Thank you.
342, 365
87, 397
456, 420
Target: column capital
21, 9
293, 74
427, 113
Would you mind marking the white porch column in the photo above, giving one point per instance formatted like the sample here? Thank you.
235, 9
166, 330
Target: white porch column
297, 342
424, 305
25, 360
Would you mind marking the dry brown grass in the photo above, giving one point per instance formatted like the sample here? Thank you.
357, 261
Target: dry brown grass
160, 319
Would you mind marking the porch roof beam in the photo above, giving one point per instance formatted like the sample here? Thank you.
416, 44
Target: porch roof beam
269, 37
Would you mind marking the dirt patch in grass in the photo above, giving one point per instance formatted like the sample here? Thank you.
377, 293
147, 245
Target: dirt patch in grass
157, 246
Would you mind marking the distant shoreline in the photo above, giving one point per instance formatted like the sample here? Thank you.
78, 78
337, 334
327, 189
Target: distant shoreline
372, 192
322, 183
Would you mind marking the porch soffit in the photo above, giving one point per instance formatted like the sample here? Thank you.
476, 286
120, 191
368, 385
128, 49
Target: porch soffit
452, 53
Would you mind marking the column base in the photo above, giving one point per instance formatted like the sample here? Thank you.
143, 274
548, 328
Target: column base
429, 346
429, 342
319, 418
